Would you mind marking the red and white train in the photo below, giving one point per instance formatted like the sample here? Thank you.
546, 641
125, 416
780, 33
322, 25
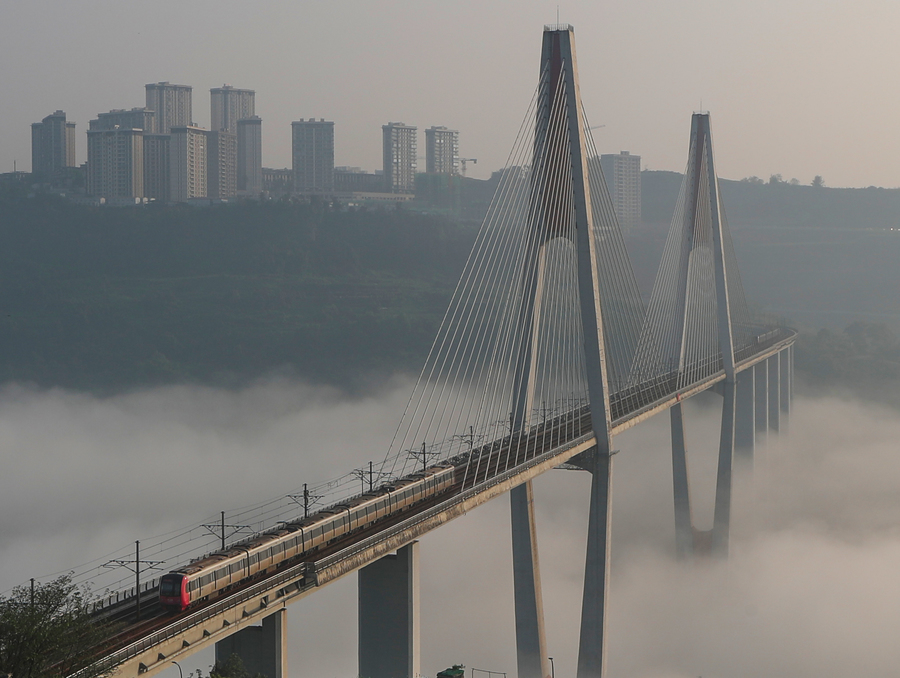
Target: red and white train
221, 571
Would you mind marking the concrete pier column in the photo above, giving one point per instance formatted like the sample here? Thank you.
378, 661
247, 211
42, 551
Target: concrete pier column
531, 646
791, 355
722, 516
262, 649
389, 616
745, 418
784, 394
684, 533
774, 392
761, 388
592, 642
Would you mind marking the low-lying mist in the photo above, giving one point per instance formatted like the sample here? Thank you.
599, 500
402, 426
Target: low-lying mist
811, 588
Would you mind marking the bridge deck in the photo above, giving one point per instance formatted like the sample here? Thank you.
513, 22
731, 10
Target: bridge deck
148, 648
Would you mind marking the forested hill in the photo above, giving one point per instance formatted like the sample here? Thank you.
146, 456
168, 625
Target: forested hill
780, 204
110, 299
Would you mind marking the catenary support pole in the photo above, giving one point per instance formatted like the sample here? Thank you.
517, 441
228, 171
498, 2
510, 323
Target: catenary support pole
531, 646
684, 531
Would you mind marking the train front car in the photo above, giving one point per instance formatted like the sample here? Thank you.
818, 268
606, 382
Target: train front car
173, 591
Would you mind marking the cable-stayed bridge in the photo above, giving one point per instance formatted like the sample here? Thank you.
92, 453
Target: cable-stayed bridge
545, 353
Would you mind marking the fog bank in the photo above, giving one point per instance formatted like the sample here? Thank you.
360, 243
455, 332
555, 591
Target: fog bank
810, 590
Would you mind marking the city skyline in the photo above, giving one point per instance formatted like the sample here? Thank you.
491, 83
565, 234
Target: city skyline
783, 99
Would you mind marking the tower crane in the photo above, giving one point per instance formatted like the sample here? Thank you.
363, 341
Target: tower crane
463, 161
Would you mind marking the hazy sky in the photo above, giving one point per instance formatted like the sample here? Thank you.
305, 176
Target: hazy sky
797, 87
810, 591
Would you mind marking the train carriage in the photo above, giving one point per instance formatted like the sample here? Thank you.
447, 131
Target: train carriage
218, 572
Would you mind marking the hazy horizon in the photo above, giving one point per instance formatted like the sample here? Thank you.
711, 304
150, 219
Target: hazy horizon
783, 81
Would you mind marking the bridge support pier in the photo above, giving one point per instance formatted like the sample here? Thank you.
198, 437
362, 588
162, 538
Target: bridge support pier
531, 646
592, 643
774, 376
389, 616
761, 388
745, 418
262, 649
786, 377
684, 530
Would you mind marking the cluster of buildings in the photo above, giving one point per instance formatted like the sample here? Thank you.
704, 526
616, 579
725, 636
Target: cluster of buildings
158, 153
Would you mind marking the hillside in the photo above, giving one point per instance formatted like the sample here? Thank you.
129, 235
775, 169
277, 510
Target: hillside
109, 299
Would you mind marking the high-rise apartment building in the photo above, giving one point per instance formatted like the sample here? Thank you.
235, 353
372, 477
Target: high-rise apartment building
156, 167
172, 105
399, 149
115, 164
441, 150
249, 155
187, 163
313, 155
221, 164
227, 105
622, 172
136, 118
52, 145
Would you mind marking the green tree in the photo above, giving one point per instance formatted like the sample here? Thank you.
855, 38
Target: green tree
233, 667
818, 181
48, 632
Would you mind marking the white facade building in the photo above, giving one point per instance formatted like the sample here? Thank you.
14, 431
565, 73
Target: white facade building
115, 165
171, 104
622, 172
399, 156
313, 155
441, 150
187, 163
227, 105
249, 155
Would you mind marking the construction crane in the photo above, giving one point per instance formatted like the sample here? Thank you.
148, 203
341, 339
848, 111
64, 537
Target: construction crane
463, 161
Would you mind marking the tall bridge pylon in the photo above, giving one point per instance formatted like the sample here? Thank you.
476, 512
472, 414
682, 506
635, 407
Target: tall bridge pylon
697, 325
541, 330
563, 206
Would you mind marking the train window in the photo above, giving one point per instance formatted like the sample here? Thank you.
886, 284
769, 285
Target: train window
169, 586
